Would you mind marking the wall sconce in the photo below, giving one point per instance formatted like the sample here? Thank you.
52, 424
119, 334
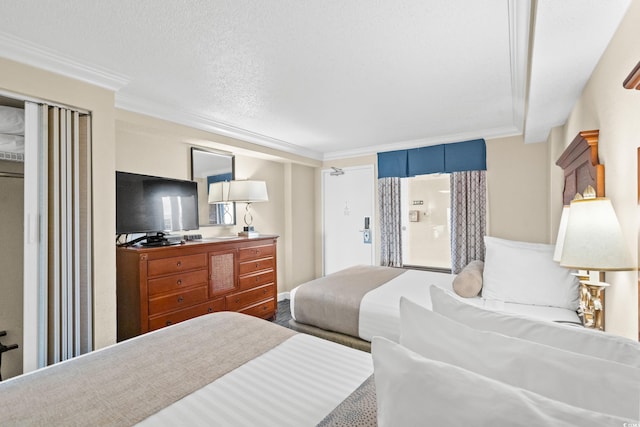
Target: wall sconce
633, 79
593, 241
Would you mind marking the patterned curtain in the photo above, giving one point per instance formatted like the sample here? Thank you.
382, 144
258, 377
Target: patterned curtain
390, 222
468, 217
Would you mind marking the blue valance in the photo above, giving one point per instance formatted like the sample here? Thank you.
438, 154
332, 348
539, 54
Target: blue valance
465, 156
456, 157
426, 160
218, 178
392, 164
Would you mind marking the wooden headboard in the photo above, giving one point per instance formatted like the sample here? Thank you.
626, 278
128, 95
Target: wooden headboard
581, 166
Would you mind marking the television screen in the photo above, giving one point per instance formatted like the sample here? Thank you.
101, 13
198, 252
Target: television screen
148, 204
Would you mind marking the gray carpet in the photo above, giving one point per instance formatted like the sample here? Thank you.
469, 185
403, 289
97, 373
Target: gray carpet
284, 314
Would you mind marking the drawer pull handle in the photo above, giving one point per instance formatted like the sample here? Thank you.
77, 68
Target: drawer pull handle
168, 323
237, 300
257, 278
179, 282
210, 310
179, 263
264, 307
180, 299
264, 291
257, 264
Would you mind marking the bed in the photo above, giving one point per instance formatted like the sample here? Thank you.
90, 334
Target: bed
245, 370
229, 369
356, 304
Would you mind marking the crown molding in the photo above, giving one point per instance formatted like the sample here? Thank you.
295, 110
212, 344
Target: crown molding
19, 50
519, 24
142, 106
501, 132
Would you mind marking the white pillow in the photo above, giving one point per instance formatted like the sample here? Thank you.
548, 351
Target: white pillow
579, 340
412, 391
12, 143
525, 273
11, 120
557, 374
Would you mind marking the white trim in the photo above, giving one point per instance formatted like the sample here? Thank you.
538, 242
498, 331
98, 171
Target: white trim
25, 98
29, 53
415, 143
284, 296
35, 225
519, 21
142, 106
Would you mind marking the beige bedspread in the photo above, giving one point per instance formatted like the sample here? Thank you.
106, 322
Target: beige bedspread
333, 302
113, 386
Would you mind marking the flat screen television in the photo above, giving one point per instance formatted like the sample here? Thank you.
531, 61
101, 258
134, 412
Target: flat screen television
155, 205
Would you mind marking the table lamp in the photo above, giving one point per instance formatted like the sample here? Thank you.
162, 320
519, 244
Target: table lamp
248, 192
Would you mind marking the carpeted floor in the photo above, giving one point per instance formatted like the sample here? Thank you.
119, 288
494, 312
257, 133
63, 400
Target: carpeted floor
284, 314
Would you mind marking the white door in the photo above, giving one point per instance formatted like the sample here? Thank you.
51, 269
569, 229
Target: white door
35, 240
348, 204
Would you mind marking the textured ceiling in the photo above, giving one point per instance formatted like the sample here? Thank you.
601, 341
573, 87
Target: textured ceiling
322, 79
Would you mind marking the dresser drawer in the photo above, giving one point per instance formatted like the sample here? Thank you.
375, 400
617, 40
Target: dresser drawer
177, 300
159, 267
256, 252
177, 282
157, 322
237, 301
257, 279
256, 265
263, 309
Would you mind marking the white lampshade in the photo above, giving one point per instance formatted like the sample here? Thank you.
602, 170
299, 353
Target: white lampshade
594, 239
248, 191
219, 192
562, 231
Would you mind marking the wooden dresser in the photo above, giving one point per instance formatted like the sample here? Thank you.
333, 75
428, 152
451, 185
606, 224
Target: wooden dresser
157, 287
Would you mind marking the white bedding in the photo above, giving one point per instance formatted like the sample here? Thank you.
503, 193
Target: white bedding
11, 120
380, 308
12, 143
297, 383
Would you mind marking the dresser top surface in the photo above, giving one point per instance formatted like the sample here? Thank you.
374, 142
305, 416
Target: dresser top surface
209, 241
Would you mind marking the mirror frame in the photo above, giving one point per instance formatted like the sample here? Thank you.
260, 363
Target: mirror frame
216, 210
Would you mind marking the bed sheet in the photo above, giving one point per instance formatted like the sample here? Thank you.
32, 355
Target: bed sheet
297, 383
380, 308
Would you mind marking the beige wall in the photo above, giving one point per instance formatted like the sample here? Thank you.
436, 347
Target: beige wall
300, 248
32, 82
615, 111
518, 190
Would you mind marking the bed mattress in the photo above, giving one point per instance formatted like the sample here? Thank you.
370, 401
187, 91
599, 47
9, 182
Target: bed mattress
379, 313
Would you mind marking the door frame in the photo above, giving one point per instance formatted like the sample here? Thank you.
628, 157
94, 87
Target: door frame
372, 224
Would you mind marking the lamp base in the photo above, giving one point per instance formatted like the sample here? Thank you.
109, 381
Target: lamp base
248, 233
591, 305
